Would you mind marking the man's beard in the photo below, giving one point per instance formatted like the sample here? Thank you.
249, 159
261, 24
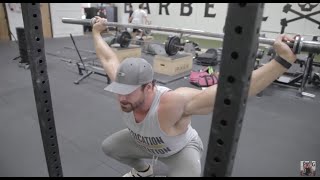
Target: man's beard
129, 107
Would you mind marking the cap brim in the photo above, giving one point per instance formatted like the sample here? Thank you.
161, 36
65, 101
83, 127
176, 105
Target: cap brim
122, 89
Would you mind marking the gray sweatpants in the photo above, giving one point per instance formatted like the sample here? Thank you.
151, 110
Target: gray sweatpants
121, 146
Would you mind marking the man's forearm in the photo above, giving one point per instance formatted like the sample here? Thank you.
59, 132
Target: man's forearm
107, 57
264, 76
146, 20
104, 52
260, 78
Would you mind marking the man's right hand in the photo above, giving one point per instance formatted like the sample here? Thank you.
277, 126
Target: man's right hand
99, 25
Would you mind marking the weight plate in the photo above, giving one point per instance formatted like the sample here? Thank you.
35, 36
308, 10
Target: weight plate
271, 51
147, 32
260, 54
212, 51
124, 39
171, 45
167, 43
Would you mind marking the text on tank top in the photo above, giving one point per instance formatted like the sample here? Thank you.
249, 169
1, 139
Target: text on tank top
148, 135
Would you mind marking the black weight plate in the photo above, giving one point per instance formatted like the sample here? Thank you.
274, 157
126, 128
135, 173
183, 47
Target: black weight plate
212, 51
147, 32
167, 43
124, 39
271, 51
171, 46
260, 54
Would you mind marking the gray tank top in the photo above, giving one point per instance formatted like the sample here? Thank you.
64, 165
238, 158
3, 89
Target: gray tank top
150, 137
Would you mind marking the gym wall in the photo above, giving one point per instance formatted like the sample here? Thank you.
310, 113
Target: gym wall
70, 10
14, 16
211, 17
57, 11
203, 16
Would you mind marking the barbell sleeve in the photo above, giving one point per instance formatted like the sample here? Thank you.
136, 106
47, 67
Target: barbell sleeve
307, 46
86, 22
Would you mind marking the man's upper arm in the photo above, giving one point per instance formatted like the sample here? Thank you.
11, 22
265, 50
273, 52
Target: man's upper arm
145, 14
186, 101
184, 95
110, 67
202, 103
172, 105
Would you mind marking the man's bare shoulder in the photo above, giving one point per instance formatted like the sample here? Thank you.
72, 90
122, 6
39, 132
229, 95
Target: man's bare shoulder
171, 107
169, 96
171, 101
179, 94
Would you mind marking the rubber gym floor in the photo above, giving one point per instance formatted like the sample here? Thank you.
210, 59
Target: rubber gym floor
279, 130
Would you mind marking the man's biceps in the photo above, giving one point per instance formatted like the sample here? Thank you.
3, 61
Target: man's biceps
187, 107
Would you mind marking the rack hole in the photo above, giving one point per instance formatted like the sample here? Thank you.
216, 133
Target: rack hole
216, 159
35, 15
238, 30
234, 55
231, 79
220, 142
227, 101
223, 122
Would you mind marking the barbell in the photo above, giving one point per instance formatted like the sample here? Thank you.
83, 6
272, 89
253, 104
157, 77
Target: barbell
172, 45
297, 46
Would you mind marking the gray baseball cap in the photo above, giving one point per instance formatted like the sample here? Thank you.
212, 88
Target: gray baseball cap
131, 74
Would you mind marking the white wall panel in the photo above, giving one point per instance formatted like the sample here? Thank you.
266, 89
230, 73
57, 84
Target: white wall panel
69, 10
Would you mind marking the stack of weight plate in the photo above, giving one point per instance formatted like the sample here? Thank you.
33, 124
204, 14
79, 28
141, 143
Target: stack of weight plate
22, 45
